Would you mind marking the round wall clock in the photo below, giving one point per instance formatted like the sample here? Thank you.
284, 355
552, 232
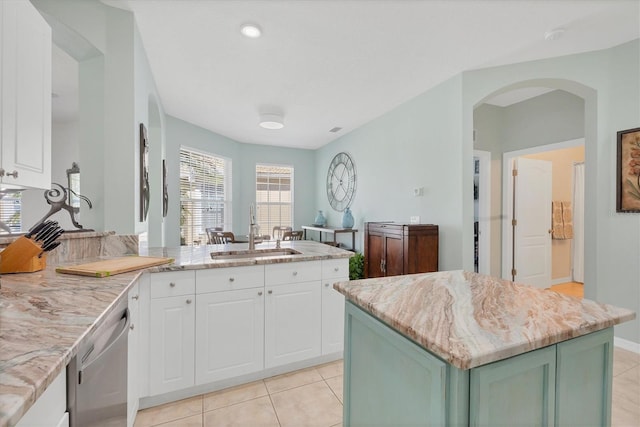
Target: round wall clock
341, 182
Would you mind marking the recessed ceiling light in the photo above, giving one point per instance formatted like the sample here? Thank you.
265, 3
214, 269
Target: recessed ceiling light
554, 34
250, 30
271, 121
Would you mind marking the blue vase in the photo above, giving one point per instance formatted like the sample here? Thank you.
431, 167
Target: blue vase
320, 219
347, 219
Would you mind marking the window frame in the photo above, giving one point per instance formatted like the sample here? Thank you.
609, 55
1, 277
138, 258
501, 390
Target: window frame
292, 191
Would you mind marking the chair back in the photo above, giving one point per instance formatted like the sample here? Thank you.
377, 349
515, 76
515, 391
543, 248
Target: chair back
278, 232
292, 235
222, 237
211, 231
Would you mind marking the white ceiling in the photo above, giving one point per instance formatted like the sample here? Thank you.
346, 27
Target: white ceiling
327, 63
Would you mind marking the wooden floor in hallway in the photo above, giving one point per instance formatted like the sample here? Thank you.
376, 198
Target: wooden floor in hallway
574, 289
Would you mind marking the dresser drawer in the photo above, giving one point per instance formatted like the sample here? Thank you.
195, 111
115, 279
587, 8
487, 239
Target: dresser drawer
174, 283
335, 269
292, 272
229, 279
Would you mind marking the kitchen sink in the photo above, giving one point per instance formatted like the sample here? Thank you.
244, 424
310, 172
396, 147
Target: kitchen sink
256, 253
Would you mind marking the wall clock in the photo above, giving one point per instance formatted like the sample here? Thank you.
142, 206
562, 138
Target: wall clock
341, 182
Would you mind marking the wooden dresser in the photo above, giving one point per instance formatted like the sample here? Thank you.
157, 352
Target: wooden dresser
392, 249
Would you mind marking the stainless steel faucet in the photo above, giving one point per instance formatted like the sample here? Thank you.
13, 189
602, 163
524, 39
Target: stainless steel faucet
252, 227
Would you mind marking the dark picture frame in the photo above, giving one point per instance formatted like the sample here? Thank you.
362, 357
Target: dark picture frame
165, 190
628, 171
144, 173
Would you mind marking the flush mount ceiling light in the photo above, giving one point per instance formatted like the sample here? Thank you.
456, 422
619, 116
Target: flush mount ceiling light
554, 34
271, 121
252, 31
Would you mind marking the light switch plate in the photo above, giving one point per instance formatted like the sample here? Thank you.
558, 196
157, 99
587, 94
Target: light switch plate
415, 220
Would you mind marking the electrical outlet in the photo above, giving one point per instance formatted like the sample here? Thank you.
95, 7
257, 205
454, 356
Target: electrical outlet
418, 191
415, 220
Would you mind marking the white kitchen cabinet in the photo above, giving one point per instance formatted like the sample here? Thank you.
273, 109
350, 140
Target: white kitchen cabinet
50, 408
229, 334
334, 270
171, 343
25, 87
133, 368
292, 323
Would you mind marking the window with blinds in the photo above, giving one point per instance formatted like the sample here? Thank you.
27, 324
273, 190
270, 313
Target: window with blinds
205, 195
10, 212
274, 197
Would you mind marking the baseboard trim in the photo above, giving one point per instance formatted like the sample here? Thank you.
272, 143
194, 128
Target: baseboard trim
626, 344
561, 280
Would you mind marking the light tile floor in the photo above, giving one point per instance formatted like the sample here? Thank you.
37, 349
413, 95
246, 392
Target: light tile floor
313, 397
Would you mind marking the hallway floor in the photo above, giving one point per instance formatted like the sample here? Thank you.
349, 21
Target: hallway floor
313, 397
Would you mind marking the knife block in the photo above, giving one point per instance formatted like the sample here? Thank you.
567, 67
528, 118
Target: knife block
22, 256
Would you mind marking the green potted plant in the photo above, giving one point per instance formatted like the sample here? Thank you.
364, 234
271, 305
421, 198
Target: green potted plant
356, 266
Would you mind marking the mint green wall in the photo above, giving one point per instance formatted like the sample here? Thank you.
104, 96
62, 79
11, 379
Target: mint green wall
415, 145
244, 158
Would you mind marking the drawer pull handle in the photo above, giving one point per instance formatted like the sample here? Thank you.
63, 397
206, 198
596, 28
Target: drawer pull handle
172, 285
189, 301
131, 327
326, 285
295, 273
260, 293
336, 269
135, 297
231, 279
269, 292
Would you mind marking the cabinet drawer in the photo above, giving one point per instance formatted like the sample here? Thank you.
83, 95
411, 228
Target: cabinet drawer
172, 283
292, 272
335, 269
228, 279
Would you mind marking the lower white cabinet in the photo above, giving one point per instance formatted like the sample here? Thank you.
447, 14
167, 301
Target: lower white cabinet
292, 323
50, 408
171, 343
229, 334
133, 369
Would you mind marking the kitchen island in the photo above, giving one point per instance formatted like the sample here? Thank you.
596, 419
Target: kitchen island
46, 316
457, 348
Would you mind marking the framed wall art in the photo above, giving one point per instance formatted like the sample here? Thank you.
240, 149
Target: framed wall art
144, 173
628, 171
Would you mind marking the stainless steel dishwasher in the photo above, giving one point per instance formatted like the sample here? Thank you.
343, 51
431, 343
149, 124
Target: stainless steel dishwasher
97, 375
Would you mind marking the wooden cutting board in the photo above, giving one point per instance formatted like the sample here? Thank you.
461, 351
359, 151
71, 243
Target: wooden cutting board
114, 266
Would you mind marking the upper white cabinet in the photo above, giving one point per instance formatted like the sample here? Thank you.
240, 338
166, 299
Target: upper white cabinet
25, 85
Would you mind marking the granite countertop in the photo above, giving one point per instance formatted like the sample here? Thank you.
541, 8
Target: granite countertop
44, 316
469, 320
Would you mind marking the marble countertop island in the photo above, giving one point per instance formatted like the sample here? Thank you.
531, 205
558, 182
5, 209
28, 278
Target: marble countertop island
469, 320
44, 316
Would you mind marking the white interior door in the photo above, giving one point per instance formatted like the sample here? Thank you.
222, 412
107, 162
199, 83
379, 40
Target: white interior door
532, 213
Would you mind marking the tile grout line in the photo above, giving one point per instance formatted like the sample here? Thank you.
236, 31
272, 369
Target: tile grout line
334, 393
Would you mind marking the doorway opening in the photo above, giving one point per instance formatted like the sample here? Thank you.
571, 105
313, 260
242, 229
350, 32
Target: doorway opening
540, 246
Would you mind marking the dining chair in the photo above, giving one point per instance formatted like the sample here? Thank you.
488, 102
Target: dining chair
292, 235
278, 232
223, 237
211, 231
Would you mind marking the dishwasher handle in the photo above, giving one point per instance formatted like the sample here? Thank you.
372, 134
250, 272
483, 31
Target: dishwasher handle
112, 342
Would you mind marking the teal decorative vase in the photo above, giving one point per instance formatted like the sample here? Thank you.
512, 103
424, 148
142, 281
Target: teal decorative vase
320, 220
347, 219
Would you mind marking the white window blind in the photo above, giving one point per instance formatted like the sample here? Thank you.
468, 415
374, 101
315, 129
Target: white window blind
10, 212
205, 195
274, 197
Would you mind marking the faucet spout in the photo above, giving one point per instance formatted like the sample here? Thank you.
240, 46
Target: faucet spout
252, 227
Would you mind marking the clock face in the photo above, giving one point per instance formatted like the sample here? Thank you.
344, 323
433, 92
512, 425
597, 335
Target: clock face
341, 182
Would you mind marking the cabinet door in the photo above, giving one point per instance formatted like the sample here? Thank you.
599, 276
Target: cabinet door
26, 96
133, 355
292, 323
389, 381
519, 389
171, 344
229, 334
584, 380
394, 255
334, 270
374, 256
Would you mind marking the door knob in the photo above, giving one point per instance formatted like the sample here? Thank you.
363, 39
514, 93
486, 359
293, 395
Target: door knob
173, 285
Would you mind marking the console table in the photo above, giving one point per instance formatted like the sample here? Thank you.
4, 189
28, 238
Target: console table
332, 231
